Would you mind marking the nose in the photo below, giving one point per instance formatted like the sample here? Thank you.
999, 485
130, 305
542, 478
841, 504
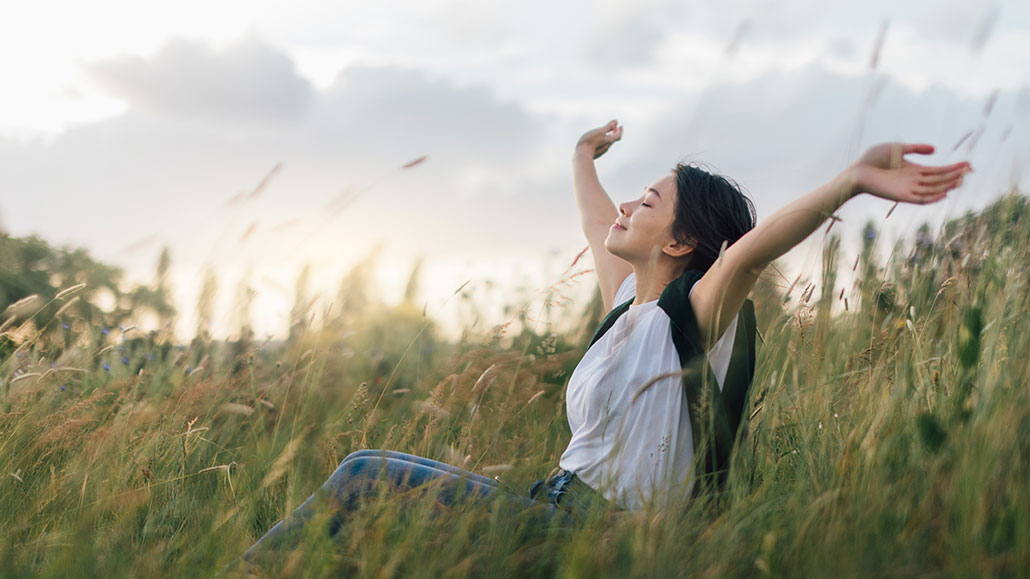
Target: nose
624, 209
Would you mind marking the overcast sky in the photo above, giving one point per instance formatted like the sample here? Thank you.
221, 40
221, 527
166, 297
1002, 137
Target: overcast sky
126, 127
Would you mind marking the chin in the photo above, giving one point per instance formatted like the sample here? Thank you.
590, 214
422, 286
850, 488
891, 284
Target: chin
613, 249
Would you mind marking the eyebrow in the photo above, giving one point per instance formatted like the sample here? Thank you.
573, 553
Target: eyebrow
655, 191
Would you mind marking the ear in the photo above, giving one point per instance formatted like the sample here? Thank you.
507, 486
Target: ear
677, 249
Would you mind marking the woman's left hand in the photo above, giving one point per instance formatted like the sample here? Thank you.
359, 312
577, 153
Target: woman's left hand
883, 171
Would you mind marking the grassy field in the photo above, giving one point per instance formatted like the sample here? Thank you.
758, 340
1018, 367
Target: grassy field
890, 440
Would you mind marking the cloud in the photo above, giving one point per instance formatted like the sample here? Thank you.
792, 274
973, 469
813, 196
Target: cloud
497, 180
245, 81
781, 135
165, 166
405, 109
627, 35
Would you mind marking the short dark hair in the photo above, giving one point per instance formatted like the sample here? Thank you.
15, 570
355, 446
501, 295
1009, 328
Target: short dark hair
710, 209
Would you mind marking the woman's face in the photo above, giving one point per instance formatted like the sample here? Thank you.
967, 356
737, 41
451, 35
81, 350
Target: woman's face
644, 225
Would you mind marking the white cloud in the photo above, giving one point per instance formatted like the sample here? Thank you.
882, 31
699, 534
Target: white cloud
783, 134
245, 81
164, 166
343, 94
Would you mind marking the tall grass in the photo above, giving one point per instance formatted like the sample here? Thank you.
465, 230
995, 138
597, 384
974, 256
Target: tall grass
891, 440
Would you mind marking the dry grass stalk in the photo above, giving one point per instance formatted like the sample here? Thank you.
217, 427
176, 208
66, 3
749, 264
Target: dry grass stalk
282, 462
235, 408
68, 291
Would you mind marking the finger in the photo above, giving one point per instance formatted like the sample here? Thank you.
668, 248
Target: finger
934, 199
935, 178
938, 169
939, 188
934, 190
920, 148
602, 130
923, 199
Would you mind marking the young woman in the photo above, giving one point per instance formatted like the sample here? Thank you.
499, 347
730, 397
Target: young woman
655, 404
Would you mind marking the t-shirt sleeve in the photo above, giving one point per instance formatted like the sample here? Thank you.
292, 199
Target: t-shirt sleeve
627, 290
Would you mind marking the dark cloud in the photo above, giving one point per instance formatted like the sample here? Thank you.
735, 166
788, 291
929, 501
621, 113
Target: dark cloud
245, 81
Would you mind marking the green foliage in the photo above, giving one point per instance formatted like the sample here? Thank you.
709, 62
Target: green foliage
931, 433
44, 290
969, 337
898, 444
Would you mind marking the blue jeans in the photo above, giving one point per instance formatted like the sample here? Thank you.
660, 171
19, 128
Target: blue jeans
363, 472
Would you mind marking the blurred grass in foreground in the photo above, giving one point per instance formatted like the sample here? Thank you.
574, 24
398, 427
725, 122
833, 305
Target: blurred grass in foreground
892, 440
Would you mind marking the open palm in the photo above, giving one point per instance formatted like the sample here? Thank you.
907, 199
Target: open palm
884, 172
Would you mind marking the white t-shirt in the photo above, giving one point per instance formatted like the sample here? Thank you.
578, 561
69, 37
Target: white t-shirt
632, 452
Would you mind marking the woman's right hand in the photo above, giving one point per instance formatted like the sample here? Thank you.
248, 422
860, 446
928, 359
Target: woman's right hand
597, 141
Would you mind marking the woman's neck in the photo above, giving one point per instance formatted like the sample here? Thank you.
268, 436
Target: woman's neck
652, 280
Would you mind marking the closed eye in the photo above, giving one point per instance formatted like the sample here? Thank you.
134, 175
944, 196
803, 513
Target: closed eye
645, 204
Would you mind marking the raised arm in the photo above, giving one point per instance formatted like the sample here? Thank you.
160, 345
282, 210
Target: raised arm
596, 210
882, 171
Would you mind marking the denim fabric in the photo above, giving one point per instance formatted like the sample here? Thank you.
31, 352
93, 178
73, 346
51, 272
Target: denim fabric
362, 473
568, 492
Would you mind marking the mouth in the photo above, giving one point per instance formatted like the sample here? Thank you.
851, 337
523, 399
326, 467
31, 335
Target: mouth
617, 226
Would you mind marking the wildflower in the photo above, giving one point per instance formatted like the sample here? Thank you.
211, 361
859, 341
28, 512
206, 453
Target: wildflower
125, 360
63, 388
104, 331
65, 325
189, 370
107, 366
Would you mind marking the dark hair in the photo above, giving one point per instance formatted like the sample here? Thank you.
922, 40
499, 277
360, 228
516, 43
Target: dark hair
710, 209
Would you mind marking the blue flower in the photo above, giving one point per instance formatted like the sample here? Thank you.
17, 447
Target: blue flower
107, 366
189, 370
104, 331
121, 327
125, 360
66, 325
62, 388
